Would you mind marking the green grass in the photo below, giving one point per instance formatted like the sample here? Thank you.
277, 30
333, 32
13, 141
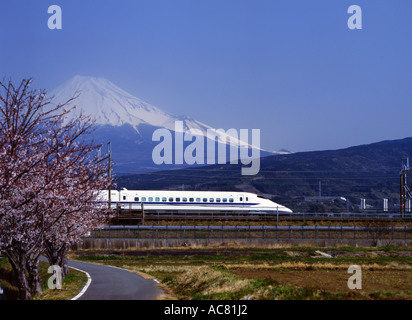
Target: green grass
72, 284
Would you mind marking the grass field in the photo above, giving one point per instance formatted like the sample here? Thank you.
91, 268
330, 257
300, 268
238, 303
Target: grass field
233, 272
73, 283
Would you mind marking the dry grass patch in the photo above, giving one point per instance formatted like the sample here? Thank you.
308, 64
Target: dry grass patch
209, 282
303, 266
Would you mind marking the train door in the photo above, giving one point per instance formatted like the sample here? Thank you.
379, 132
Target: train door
241, 198
124, 196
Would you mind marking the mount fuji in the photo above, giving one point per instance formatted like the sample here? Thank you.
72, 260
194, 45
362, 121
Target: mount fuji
128, 123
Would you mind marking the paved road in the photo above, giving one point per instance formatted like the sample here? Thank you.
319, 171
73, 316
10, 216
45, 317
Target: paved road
110, 283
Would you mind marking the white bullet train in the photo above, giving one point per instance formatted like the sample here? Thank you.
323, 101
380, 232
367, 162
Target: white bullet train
192, 201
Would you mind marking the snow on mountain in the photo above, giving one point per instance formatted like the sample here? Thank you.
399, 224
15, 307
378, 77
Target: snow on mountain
110, 105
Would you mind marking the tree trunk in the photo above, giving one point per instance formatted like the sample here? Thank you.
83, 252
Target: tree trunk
18, 263
32, 267
57, 256
22, 285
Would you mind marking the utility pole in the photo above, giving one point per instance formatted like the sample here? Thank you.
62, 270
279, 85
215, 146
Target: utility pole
109, 151
109, 157
405, 192
142, 205
320, 191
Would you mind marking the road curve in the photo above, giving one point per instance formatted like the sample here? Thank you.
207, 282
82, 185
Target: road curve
111, 283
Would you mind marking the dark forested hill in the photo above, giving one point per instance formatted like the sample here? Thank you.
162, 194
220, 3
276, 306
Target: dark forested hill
367, 171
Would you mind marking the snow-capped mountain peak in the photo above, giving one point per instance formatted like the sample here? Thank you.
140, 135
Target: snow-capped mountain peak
110, 105
130, 123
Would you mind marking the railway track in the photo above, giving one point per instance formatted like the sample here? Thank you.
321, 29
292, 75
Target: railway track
154, 235
137, 217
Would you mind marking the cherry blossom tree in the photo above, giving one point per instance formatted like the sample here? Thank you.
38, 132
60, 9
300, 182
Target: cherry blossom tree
78, 209
49, 178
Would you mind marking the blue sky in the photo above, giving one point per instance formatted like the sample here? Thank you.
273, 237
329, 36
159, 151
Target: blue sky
292, 69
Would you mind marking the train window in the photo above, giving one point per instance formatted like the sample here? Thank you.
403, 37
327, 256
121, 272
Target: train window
230, 199
150, 199
241, 199
224, 200
164, 199
191, 200
124, 197
197, 199
211, 200
217, 199
177, 199
247, 199
184, 199
143, 199
170, 199
157, 199
204, 199
136, 199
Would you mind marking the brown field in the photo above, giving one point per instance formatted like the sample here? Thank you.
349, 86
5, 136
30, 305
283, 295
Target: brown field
333, 280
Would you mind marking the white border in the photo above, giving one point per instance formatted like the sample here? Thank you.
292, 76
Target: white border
89, 281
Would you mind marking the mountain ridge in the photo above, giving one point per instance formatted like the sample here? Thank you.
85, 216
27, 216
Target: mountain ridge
369, 171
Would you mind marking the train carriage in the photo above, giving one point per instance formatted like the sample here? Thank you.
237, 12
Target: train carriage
161, 201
